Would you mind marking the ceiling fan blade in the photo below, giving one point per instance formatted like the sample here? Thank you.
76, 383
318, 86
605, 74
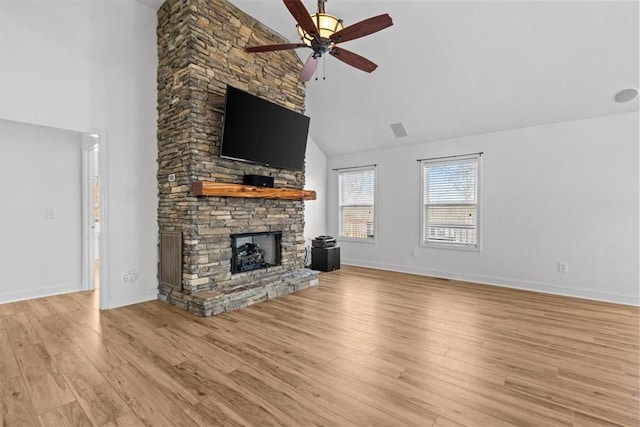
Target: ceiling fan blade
301, 15
362, 28
272, 47
353, 59
309, 68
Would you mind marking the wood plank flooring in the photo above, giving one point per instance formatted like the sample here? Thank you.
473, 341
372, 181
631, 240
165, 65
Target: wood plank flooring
365, 348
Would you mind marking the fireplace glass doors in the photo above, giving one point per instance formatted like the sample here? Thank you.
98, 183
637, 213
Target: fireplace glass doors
253, 251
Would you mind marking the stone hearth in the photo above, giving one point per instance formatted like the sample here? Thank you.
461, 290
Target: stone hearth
201, 50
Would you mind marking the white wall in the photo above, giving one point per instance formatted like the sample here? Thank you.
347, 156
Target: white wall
40, 170
91, 66
564, 192
315, 211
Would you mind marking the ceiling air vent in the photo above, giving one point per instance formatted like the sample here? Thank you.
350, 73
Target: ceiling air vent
399, 130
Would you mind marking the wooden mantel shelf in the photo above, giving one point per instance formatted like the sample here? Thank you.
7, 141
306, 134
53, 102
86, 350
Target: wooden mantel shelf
221, 189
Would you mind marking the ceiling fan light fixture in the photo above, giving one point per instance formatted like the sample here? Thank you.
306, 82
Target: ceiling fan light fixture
327, 25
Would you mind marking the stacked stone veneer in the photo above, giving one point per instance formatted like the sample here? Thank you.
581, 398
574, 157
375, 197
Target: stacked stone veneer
201, 50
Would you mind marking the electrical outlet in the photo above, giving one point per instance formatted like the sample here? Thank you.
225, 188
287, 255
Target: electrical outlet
563, 267
131, 276
50, 213
172, 177
412, 252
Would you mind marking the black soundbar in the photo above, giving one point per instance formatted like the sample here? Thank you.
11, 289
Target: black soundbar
258, 181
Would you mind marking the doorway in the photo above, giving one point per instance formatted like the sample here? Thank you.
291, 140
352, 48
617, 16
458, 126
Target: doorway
60, 224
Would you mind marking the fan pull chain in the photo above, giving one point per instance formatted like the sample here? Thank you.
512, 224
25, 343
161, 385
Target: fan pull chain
324, 67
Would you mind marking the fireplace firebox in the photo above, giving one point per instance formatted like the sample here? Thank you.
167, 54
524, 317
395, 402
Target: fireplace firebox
254, 251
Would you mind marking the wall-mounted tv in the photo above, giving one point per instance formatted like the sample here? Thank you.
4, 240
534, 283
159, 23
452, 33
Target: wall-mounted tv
259, 131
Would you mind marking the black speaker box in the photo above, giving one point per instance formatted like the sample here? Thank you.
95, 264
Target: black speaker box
325, 259
258, 181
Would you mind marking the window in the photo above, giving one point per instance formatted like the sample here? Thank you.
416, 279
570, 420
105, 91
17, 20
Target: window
450, 211
357, 203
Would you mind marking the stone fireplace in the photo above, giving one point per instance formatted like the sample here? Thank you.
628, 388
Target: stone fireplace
201, 50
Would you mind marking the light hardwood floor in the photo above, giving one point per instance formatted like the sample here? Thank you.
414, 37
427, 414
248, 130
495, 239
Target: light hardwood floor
366, 347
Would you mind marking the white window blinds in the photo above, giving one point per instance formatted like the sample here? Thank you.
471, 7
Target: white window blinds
450, 202
357, 202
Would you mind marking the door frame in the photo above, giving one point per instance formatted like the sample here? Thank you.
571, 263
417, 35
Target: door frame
104, 290
99, 140
90, 149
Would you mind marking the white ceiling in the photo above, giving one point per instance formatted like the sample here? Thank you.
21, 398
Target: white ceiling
454, 68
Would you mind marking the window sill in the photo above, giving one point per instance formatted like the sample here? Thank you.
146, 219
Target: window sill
451, 247
356, 240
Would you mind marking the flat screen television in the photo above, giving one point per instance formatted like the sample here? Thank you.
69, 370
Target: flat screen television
259, 131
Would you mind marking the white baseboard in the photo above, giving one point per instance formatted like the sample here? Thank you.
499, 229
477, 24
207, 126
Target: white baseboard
45, 291
150, 295
502, 282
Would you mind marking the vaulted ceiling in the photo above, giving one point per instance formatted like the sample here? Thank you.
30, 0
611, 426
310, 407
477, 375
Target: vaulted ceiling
455, 68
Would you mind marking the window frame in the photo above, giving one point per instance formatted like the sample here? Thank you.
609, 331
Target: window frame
444, 161
375, 206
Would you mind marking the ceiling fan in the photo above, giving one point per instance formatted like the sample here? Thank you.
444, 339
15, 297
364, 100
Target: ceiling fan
322, 32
